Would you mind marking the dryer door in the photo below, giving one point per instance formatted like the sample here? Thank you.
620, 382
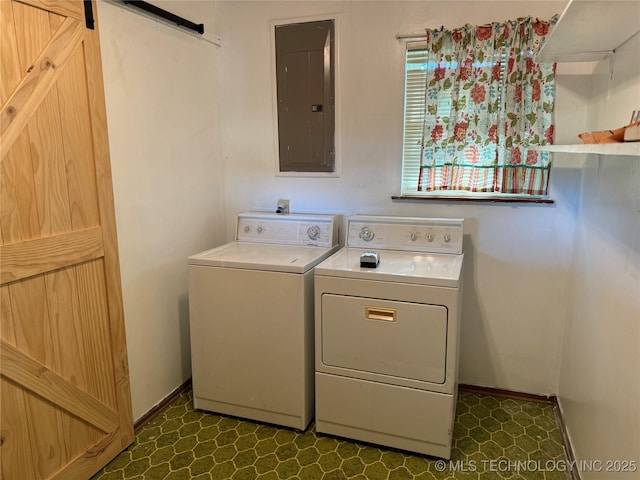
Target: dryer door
398, 339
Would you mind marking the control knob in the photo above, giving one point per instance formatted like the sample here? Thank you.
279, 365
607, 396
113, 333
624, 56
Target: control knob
367, 234
313, 232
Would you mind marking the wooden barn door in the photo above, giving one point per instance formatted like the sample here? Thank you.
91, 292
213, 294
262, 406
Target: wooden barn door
65, 397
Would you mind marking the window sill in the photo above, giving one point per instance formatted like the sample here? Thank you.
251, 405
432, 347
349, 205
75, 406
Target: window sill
445, 198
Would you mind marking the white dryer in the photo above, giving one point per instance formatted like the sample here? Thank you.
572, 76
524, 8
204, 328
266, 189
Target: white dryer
387, 336
251, 317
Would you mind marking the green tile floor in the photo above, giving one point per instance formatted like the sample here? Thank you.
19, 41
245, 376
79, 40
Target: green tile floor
494, 438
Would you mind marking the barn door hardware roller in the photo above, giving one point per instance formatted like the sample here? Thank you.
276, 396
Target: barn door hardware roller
182, 22
88, 15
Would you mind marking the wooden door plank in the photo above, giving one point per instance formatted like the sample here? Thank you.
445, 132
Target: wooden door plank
29, 258
50, 449
33, 335
7, 332
47, 156
73, 9
31, 319
18, 210
68, 347
94, 314
119, 360
17, 448
36, 377
18, 214
93, 459
35, 85
78, 147
33, 39
9, 62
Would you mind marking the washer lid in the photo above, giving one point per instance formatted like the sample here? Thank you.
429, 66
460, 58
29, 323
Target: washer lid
435, 269
261, 256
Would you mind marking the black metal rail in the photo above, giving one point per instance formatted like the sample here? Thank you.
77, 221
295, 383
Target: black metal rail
182, 22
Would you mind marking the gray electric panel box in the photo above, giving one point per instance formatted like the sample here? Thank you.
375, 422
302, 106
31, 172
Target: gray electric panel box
305, 66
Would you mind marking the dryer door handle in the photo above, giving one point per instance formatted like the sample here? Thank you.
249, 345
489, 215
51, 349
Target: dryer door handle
380, 313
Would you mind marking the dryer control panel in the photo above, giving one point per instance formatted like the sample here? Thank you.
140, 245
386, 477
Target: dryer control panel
293, 229
431, 235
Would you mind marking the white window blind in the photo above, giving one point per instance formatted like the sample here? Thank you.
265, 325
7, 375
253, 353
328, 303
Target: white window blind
414, 113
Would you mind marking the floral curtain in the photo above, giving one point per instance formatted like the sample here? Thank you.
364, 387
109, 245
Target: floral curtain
488, 104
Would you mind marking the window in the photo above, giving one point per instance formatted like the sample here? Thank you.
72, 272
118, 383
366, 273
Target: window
476, 107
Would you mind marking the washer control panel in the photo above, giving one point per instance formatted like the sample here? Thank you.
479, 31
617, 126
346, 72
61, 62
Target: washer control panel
292, 229
434, 235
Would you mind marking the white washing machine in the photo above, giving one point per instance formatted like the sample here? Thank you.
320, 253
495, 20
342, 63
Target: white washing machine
251, 317
387, 336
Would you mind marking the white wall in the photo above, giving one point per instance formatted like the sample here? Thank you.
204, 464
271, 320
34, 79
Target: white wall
600, 385
517, 256
162, 109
